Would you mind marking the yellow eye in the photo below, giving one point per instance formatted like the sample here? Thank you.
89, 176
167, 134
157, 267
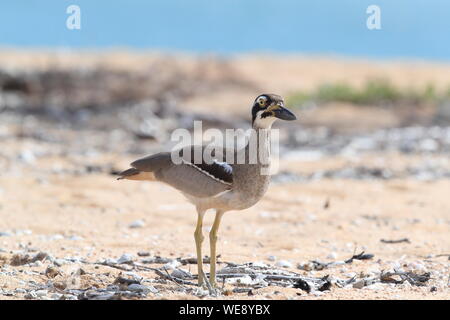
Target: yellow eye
262, 101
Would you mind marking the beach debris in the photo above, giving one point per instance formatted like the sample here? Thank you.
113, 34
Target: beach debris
395, 241
137, 224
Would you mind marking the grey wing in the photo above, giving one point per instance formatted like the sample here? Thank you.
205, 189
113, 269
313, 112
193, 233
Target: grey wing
191, 180
202, 180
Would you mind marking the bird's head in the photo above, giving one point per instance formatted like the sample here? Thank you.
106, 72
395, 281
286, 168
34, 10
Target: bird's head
267, 108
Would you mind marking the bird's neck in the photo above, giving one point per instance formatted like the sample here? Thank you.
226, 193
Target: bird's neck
257, 150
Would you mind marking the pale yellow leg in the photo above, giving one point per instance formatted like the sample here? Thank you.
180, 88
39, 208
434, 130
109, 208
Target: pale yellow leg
198, 235
213, 241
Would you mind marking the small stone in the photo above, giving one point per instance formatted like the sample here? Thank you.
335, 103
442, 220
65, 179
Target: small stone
142, 288
271, 258
51, 272
172, 265
41, 293
61, 285
5, 234
308, 266
375, 286
80, 272
125, 258
31, 295
56, 296
40, 256
36, 264
59, 262
112, 287
56, 237
283, 264
75, 238
259, 264
359, 284
332, 255
27, 156
137, 224
182, 274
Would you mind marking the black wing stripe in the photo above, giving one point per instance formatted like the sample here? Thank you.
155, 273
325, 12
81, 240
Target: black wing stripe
221, 172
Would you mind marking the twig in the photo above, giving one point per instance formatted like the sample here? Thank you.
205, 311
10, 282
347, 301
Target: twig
212, 292
396, 241
114, 266
164, 275
360, 256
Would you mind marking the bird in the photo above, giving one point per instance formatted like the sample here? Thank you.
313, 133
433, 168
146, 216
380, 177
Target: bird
235, 184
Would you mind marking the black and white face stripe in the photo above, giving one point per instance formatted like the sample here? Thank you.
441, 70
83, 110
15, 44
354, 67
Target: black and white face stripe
264, 101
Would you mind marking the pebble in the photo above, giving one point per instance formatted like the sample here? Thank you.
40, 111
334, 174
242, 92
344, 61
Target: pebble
41, 293
36, 264
137, 224
31, 295
272, 258
55, 237
283, 264
332, 255
125, 258
259, 264
56, 296
375, 286
112, 287
27, 156
172, 265
182, 274
142, 288
417, 266
359, 284
59, 262
308, 266
133, 276
75, 238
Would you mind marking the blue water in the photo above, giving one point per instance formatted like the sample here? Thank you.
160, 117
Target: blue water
409, 28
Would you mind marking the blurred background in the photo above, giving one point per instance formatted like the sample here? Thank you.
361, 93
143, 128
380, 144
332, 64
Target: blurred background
132, 71
78, 104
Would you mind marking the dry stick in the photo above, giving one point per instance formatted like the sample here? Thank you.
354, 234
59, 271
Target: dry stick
165, 276
396, 241
269, 277
208, 284
112, 266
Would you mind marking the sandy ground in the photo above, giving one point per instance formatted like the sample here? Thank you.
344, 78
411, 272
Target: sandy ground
93, 214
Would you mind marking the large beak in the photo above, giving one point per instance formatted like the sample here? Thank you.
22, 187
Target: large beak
284, 114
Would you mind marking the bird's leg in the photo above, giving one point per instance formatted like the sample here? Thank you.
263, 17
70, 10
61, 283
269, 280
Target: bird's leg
213, 241
198, 235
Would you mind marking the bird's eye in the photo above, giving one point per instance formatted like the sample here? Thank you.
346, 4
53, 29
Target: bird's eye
262, 101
